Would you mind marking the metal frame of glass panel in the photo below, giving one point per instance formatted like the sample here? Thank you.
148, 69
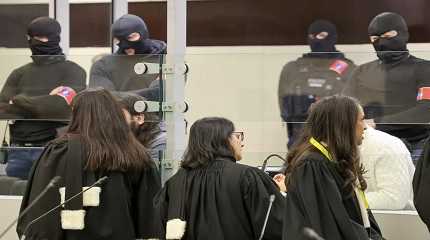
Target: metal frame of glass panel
172, 70
60, 10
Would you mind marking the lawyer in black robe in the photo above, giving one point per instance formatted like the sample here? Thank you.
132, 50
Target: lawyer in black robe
217, 198
324, 176
421, 185
120, 208
316, 201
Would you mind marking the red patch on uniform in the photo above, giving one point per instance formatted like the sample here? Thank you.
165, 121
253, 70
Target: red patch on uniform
339, 66
67, 93
423, 94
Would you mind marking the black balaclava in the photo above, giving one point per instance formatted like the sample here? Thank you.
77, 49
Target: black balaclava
45, 27
393, 49
127, 25
326, 44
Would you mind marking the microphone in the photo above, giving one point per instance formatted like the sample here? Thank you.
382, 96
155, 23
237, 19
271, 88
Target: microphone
269, 157
271, 200
100, 181
311, 234
50, 185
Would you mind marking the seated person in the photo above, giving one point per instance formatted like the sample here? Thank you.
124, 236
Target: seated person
389, 171
147, 127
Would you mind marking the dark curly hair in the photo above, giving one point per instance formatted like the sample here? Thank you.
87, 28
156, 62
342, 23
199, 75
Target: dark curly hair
146, 132
332, 120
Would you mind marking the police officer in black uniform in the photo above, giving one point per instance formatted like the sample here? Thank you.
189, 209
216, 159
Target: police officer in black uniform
395, 89
120, 71
322, 72
48, 70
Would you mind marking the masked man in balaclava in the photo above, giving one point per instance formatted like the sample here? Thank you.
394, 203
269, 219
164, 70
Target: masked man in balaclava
320, 73
48, 71
120, 71
395, 89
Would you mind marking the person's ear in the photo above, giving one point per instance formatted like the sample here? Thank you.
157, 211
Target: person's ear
140, 119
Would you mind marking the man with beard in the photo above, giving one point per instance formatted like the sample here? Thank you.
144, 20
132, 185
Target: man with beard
49, 70
320, 73
146, 127
119, 72
395, 89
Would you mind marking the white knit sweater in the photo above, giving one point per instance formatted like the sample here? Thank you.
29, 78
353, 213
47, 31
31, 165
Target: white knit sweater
389, 171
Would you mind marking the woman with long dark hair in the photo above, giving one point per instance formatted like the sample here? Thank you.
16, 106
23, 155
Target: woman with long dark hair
213, 197
98, 143
325, 178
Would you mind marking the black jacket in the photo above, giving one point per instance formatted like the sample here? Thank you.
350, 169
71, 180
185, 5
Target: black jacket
117, 72
307, 79
223, 200
39, 78
316, 200
388, 93
421, 185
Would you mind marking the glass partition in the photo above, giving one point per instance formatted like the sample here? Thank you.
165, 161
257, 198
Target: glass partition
266, 92
37, 92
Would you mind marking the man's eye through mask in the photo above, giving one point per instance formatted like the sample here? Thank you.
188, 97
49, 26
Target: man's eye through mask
318, 36
386, 35
133, 37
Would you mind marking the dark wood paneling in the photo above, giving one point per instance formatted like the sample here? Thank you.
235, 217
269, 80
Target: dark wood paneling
155, 16
230, 22
14, 20
90, 25
281, 22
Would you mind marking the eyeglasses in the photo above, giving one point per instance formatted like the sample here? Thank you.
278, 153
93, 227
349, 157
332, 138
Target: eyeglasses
239, 135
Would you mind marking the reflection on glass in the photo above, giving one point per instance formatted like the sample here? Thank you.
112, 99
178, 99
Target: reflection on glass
127, 70
320, 73
395, 89
147, 127
41, 89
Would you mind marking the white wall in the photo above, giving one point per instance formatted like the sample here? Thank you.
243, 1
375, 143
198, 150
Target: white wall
239, 83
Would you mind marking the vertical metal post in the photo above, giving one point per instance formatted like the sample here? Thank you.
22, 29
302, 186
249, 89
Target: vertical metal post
60, 10
175, 83
118, 9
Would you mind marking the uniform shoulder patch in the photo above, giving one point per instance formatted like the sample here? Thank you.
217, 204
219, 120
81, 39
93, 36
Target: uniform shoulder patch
423, 93
339, 66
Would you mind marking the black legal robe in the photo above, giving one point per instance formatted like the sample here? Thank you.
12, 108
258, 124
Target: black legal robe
421, 185
223, 200
126, 208
316, 200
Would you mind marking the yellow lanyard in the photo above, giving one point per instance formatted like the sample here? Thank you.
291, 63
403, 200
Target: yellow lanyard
320, 147
327, 154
